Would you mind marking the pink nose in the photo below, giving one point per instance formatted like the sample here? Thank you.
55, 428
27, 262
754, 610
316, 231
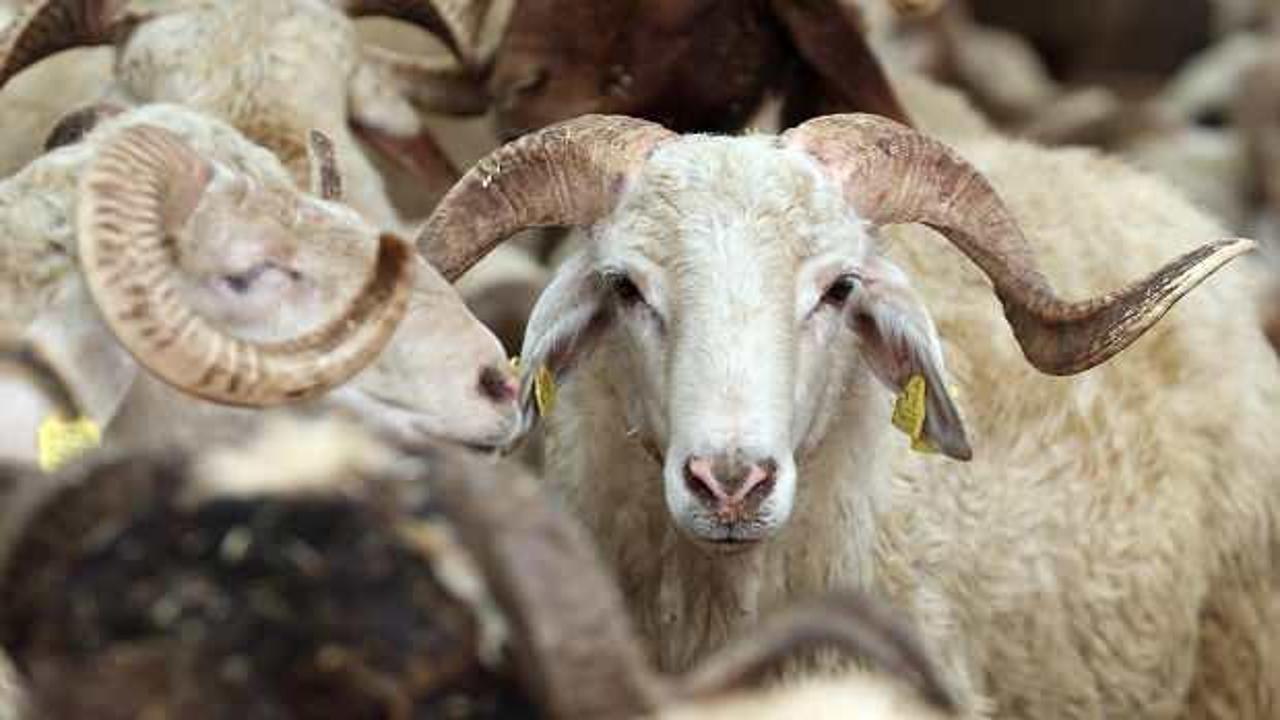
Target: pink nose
498, 385
729, 485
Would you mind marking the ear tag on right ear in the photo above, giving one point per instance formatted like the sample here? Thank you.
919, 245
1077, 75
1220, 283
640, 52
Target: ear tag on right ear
908, 413
544, 390
60, 441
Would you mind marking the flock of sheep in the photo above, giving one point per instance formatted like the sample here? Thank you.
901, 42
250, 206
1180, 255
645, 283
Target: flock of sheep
849, 383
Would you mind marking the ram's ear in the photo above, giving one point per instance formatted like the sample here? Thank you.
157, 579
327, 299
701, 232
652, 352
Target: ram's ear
900, 343
567, 322
76, 340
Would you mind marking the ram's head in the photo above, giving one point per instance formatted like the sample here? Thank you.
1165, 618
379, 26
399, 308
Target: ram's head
221, 280
736, 286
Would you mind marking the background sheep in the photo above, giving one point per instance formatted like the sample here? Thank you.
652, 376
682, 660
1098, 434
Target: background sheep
424, 365
683, 368
345, 576
268, 68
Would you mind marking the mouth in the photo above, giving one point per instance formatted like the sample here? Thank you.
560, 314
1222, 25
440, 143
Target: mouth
403, 423
730, 545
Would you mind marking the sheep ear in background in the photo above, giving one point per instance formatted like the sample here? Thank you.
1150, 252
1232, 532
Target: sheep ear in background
899, 343
569, 318
326, 177
827, 36
75, 369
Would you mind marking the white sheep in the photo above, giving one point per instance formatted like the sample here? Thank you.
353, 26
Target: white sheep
279, 296
1109, 551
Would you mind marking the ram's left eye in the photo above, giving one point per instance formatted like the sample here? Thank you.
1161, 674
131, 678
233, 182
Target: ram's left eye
838, 292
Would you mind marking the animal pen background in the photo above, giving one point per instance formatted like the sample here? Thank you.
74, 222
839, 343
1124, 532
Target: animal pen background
316, 567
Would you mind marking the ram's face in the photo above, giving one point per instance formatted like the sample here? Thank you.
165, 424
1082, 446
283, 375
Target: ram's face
731, 277
234, 287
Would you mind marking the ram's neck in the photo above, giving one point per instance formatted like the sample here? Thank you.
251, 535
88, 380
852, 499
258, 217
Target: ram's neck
688, 599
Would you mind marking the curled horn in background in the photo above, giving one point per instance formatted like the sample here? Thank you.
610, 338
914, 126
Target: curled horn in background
456, 22
46, 27
892, 174
142, 187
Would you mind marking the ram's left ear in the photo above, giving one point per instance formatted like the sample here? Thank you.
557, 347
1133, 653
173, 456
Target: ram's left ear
900, 343
566, 324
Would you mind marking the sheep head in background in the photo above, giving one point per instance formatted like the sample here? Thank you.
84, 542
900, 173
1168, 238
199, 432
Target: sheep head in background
737, 282
344, 577
274, 69
201, 259
691, 65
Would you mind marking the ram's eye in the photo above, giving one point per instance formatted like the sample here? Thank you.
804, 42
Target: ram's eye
838, 292
624, 289
242, 282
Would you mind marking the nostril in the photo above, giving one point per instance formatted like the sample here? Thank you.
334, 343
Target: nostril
758, 482
700, 481
497, 385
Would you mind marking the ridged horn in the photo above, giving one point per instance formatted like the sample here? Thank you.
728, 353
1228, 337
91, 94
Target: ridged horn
890, 173
146, 180
568, 173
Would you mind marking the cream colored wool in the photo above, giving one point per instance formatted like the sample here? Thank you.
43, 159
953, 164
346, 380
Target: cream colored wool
1111, 551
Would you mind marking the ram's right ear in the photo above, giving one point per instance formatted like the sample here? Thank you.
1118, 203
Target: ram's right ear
567, 322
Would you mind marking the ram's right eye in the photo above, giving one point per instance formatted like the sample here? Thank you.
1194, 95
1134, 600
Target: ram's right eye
624, 289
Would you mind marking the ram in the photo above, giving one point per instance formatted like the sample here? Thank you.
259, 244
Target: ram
724, 339
265, 295
318, 572
278, 69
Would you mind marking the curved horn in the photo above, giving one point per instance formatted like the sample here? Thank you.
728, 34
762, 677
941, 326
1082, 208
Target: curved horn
852, 623
565, 174
146, 179
574, 648
46, 27
456, 22
892, 174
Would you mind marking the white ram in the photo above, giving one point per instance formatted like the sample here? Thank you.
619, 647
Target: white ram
721, 429
278, 296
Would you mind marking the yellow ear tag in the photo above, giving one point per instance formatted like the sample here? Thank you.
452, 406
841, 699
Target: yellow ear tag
59, 441
908, 413
544, 391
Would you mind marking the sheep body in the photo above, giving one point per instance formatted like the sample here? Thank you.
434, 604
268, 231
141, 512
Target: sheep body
1104, 516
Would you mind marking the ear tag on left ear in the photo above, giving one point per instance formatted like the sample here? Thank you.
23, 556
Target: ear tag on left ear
908, 413
59, 441
544, 390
